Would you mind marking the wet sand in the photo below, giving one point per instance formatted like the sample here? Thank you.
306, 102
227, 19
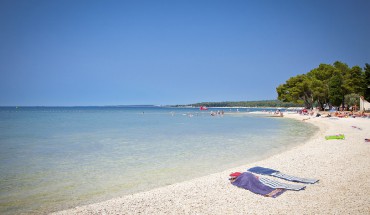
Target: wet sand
342, 166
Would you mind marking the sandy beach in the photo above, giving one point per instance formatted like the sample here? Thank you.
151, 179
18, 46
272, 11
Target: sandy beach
342, 166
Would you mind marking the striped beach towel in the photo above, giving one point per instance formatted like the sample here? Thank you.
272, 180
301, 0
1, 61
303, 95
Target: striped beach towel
275, 173
276, 184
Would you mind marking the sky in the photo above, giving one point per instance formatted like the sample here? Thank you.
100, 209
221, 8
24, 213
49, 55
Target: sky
166, 52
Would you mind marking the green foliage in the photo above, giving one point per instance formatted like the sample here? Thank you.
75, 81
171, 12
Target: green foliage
296, 90
335, 89
326, 84
367, 82
352, 99
355, 80
320, 81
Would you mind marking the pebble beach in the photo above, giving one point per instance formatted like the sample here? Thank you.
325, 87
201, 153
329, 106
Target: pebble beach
342, 167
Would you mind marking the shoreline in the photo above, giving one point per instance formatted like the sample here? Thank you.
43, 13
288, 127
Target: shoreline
342, 166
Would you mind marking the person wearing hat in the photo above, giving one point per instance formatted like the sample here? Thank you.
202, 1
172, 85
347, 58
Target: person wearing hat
251, 182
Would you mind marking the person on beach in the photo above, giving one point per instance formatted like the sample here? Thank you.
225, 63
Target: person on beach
252, 183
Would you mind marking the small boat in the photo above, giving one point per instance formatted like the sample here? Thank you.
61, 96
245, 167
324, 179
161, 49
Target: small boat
203, 108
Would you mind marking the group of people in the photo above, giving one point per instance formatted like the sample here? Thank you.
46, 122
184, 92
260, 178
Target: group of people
218, 113
339, 114
213, 113
279, 113
276, 113
351, 114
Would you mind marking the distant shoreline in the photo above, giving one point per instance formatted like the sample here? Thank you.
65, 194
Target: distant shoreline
229, 104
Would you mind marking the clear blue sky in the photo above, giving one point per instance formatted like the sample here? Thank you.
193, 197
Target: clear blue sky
74, 52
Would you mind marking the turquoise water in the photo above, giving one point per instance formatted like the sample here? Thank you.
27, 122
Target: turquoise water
55, 158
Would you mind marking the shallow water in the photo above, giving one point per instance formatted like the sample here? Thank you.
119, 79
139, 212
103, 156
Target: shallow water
56, 158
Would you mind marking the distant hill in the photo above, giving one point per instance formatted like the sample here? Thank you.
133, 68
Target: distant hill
262, 103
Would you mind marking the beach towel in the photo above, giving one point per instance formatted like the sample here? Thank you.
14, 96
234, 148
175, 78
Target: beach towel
335, 137
276, 184
250, 182
275, 173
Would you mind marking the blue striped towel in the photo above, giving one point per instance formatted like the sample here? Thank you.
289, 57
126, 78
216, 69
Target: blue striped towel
275, 173
276, 184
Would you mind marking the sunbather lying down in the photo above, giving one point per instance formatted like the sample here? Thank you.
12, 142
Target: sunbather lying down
251, 182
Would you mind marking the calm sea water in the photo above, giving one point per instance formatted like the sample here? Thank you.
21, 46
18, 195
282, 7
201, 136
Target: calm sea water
55, 158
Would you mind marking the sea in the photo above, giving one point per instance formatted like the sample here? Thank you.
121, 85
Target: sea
55, 158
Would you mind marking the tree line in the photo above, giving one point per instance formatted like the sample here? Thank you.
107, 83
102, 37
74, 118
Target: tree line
327, 85
263, 103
